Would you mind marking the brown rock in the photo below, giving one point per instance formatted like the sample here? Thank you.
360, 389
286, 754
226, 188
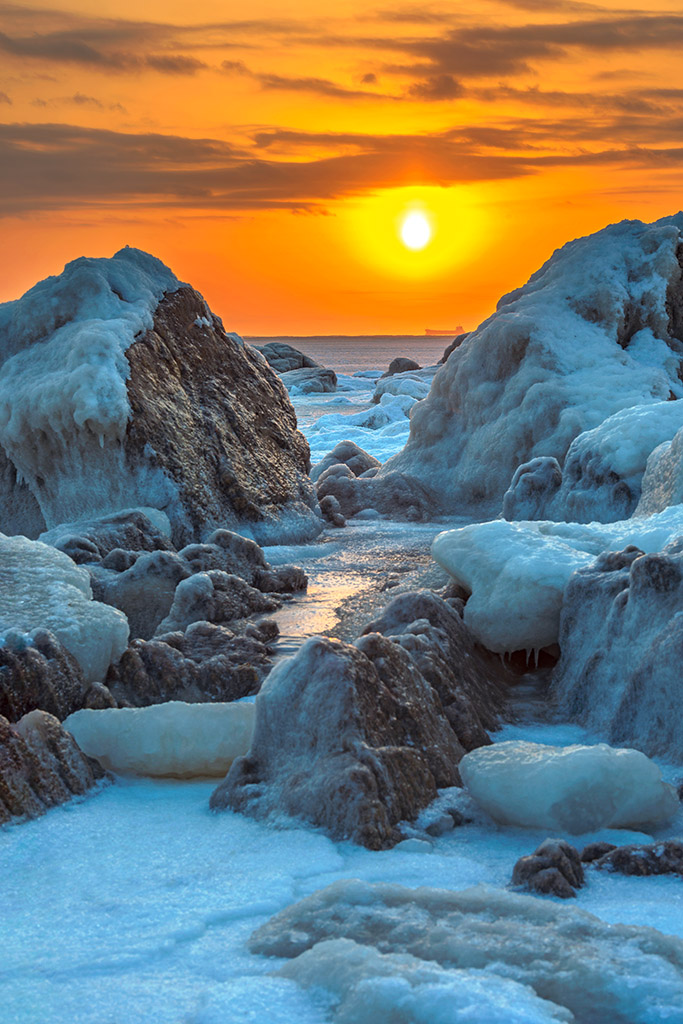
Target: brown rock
665, 858
41, 674
554, 869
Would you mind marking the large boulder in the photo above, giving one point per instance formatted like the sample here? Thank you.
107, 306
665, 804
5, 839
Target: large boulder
217, 597
145, 591
575, 789
351, 738
397, 495
41, 766
119, 388
207, 662
621, 632
597, 329
91, 541
283, 357
346, 453
387, 952
231, 553
310, 381
37, 672
399, 365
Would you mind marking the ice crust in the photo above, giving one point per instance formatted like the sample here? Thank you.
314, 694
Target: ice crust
575, 789
517, 572
174, 739
594, 331
43, 587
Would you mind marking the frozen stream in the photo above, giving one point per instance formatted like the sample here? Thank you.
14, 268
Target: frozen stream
134, 906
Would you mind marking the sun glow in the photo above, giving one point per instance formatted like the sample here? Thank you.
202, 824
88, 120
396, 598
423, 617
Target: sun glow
416, 230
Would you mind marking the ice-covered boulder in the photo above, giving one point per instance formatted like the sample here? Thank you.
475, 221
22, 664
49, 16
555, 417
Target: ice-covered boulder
621, 632
603, 471
231, 553
411, 383
92, 540
597, 329
283, 357
662, 484
205, 663
42, 588
587, 970
573, 789
37, 672
119, 389
214, 596
40, 766
517, 572
145, 591
175, 739
346, 453
456, 343
351, 738
310, 380
397, 496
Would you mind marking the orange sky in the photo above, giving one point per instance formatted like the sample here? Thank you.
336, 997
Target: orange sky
268, 151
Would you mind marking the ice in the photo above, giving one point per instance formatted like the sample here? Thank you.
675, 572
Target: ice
603, 470
368, 986
43, 587
588, 335
175, 739
574, 788
517, 572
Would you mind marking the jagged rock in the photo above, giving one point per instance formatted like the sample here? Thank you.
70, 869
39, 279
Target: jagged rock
145, 592
283, 357
120, 389
593, 851
471, 683
234, 554
398, 496
205, 663
310, 380
554, 869
400, 365
665, 858
93, 540
456, 343
216, 597
40, 766
349, 454
37, 671
351, 738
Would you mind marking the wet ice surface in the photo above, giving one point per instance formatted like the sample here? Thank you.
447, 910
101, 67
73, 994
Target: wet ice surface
135, 905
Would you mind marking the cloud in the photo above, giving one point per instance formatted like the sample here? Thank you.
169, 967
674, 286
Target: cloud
174, 64
289, 83
4, 98
438, 87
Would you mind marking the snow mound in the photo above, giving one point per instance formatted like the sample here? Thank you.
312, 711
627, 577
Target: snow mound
621, 632
603, 471
593, 970
174, 739
517, 572
43, 588
575, 789
597, 329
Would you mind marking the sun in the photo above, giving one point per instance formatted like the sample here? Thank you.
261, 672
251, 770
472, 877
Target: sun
416, 230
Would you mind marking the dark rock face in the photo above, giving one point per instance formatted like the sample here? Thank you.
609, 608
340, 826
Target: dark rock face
396, 495
346, 453
205, 663
456, 343
283, 357
554, 869
40, 766
621, 635
400, 365
664, 858
351, 738
214, 422
471, 683
311, 380
42, 675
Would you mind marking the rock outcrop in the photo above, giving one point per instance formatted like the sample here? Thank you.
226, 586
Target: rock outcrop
283, 357
400, 365
40, 766
311, 380
37, 672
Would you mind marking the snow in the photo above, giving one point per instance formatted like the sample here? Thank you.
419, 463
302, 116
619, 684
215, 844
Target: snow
41, 586
517, 572
588, 335
173, 739
574, 788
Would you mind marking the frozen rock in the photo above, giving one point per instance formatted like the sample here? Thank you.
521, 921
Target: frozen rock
471, 683
283, 357
311, 380
120, 389
593, 851
44, 589
621, 632
175, 739
346, 453
232, 553
19, 510
597, 329
145, 592
400, 365
412, 384
129, 530
554, 869
456, 343
603, 470
38, 672
573, 789
516, 573
40, 766
205, 663
397, 496
662, 484
665, 858
588, 970
214, 596
351, 738
331, 510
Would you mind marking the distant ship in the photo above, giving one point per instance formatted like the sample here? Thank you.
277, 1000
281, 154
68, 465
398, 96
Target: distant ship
431, 333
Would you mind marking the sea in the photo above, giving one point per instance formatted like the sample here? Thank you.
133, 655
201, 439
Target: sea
354, 353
